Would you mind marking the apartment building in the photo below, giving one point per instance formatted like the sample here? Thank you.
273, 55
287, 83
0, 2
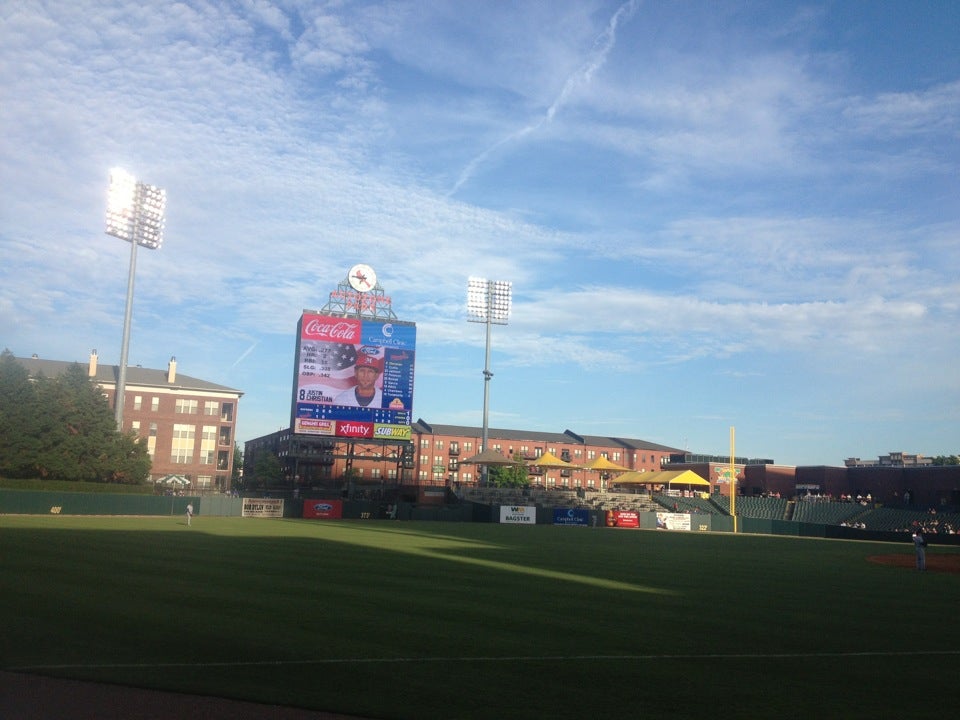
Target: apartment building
189, 424
434, 456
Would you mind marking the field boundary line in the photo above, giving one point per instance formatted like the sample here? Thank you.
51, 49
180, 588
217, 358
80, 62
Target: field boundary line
468, 659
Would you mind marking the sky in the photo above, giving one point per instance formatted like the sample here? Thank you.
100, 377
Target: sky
714, 214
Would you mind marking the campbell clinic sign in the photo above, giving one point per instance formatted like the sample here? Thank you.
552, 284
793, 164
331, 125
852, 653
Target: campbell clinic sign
353, 377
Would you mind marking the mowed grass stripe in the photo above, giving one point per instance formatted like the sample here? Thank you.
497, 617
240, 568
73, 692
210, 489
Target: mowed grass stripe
351, 616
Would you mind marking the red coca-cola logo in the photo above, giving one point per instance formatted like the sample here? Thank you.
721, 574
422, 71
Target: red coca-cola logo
332, 329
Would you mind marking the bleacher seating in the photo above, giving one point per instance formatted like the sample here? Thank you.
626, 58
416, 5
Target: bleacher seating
766, 508
826, 512
688, 504
904, 519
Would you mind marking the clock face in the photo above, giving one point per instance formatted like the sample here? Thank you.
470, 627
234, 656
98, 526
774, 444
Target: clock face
362, 278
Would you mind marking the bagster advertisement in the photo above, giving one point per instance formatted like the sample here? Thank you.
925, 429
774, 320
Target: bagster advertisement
323, 509
354, 377
518, 514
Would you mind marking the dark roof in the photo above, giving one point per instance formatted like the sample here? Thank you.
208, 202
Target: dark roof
108, 374
567, 436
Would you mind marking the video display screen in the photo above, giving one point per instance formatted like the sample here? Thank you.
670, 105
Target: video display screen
354, 377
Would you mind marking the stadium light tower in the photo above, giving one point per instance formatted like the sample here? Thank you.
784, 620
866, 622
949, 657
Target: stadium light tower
488, 301
134, 214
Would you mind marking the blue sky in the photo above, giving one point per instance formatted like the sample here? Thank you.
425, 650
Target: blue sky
714, 214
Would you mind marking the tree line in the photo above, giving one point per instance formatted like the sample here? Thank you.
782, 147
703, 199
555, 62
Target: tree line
63, 428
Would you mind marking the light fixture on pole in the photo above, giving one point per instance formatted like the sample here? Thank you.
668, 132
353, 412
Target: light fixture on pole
134, 214
488, 301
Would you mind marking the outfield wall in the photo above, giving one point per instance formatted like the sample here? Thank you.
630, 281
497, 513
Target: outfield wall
32, 502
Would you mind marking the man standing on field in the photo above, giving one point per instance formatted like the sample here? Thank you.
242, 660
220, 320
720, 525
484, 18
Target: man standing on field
189, 513
920, 544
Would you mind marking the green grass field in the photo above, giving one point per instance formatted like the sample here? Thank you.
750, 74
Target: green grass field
430, 620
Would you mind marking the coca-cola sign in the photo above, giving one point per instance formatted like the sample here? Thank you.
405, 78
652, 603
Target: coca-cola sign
331, 329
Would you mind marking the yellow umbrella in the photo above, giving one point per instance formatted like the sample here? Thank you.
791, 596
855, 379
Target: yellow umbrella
604, 465
662, 477
548, 459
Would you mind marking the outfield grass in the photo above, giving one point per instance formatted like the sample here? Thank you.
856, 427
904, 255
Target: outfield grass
430, 620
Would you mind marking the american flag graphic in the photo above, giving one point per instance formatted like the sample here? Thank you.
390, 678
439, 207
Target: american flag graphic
327, 367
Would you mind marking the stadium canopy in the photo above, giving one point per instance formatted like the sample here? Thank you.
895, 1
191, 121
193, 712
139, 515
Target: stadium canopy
602, 464
548, 459
662, 477
489, 457
173, 480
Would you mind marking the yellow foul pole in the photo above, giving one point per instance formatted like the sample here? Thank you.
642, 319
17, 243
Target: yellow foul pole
733, 479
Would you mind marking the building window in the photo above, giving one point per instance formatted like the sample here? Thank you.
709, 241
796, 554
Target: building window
186, 406
225, 436
181, 449
439, 444
135, 426
204, 482
223, 460
211, 407
152, 440
154, 404
208, 444
226, 412
137, 402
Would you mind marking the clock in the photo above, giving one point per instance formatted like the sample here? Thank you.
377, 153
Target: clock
362, 278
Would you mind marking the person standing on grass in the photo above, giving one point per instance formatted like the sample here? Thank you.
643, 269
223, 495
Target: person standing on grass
189, 513
920, 544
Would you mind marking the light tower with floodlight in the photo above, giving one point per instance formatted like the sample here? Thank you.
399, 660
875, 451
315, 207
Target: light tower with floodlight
135, 213
488, 301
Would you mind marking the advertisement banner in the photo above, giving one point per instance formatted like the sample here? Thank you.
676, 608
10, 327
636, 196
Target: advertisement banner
262, 507
306, 426
673, 521
623, 518
571, 516
354, 429
323, 509
518, 514
352, 370
392, 432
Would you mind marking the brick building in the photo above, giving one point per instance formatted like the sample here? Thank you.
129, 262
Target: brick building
188, 424
433, 456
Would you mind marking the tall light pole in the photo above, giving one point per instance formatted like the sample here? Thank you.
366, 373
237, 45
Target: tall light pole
134, 214
488, 301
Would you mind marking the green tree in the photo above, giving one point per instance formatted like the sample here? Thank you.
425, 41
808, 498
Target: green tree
62, 428
509, 475
19, 436
267, 468
236, 477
